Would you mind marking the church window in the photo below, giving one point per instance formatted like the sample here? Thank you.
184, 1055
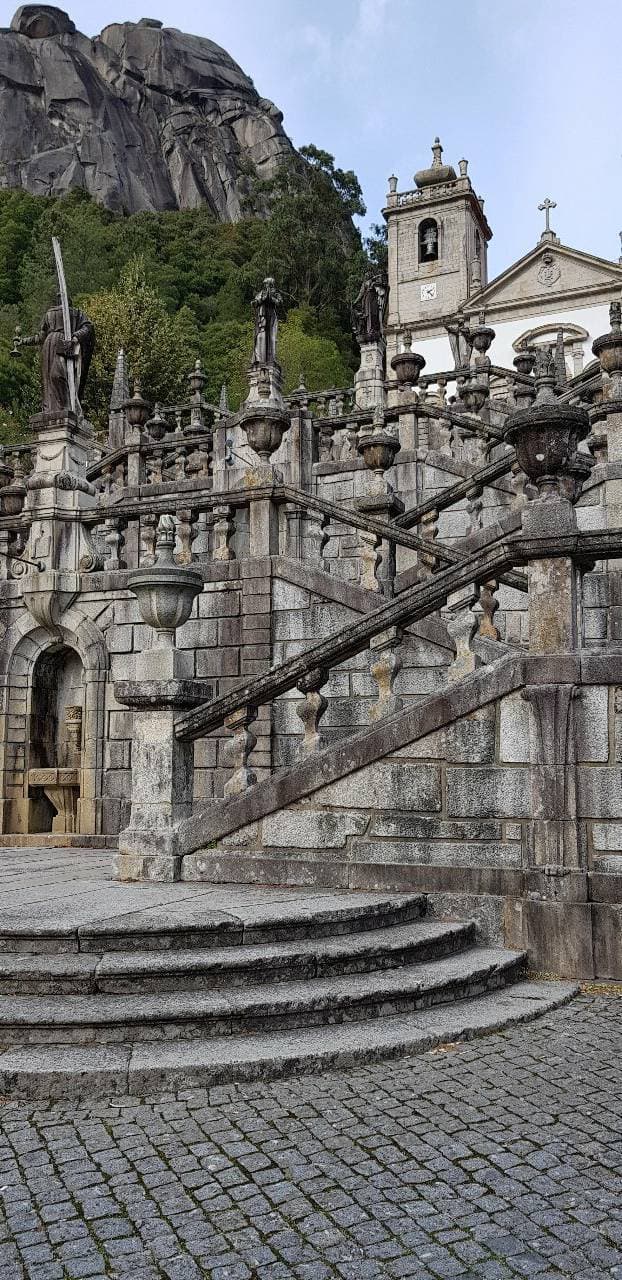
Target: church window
428, 240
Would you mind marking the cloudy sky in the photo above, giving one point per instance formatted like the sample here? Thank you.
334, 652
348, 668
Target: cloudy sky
526, 90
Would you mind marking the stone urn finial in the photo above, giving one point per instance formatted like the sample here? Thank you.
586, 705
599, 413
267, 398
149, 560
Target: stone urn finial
407, 364
546, 437
136, 409
165, 591
608, 349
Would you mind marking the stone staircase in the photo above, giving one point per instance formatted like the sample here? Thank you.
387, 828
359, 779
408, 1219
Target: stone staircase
134, 1005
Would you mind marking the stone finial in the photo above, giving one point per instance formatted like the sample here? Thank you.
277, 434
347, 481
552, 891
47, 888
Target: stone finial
437, 154
165, 539
392, 184
120, 384
615, 317
463, 166
223, 403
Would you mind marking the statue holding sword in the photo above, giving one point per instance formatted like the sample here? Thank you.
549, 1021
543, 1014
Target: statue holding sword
67, 339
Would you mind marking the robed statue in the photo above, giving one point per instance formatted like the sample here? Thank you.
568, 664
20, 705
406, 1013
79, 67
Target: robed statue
265, 315
368, 310
460, 340
66, 339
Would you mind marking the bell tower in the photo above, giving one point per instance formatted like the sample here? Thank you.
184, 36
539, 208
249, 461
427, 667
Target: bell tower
437, 240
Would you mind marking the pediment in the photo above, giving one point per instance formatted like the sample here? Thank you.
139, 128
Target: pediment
550, 271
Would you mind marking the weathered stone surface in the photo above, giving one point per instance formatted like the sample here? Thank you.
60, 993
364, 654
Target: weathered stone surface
488, 793
309, 830
141, 117
387, 785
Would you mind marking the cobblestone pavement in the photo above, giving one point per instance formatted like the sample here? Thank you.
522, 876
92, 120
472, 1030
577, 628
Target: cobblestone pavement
497, 1158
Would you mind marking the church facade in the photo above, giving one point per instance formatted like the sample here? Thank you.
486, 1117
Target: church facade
438, 235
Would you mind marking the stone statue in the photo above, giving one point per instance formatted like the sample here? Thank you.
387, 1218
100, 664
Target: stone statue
56, 351
368, 310
460, 340
265, 304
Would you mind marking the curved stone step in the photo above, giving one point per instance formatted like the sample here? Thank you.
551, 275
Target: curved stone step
99, 1071
125, 972
82, 1019
192, 924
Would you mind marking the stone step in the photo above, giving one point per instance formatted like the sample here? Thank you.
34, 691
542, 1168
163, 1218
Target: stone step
106, 1019
98, 1071
125, 972
189, 925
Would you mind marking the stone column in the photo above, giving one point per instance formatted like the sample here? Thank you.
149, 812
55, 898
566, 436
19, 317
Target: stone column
162, 766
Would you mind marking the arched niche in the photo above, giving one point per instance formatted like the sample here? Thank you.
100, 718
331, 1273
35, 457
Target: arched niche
77, 650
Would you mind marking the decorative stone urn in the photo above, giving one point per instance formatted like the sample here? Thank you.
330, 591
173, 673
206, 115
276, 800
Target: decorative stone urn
608, 350
524, 362
546, 435
265, 427
482, 337
378, 448
165, 591
136, 409
156, 426
475, 393
407, 364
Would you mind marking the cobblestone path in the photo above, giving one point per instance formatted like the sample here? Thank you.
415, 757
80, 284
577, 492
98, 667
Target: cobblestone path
498, 1158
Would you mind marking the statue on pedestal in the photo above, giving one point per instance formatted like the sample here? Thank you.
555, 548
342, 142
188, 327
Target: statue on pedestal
265, 315
67, 339
368, 310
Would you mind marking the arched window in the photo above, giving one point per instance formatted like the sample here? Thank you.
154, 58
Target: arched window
428, 240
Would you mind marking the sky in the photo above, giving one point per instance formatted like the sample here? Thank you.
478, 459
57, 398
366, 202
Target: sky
526, 90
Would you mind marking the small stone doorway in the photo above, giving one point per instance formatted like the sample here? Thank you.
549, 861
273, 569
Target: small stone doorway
55, 742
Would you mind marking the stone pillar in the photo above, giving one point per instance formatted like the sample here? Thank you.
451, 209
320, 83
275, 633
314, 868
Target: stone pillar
369, 380
162, 766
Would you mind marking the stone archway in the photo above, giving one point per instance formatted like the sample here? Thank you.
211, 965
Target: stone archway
78, 648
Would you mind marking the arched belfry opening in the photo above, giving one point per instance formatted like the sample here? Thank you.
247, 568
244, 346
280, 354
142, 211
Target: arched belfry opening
55, 741
428, 240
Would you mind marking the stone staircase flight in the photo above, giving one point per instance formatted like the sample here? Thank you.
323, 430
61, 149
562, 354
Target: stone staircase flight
122, 1005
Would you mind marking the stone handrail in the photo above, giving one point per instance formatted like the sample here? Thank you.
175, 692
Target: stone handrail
456, 492
412, 605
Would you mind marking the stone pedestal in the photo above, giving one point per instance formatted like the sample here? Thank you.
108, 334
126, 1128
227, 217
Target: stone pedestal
369, 390
162, 766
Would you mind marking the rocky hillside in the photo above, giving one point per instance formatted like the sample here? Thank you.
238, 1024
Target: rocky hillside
141, 117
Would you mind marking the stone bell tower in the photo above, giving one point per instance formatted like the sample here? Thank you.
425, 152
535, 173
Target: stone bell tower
438, 237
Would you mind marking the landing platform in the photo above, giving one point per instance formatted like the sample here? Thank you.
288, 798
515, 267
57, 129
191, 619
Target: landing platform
51, 891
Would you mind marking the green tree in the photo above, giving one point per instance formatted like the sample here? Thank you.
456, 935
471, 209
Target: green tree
132, 315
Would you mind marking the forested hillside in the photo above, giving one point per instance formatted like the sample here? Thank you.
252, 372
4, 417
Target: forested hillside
171, 287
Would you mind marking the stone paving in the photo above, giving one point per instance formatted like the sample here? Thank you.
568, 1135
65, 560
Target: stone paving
497, 1158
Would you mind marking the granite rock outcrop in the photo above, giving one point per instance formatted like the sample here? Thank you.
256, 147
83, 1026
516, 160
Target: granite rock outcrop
142, 117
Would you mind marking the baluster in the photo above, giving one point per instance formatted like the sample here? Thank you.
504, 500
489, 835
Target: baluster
148, 531
114, 541
293, 521
153, 466
428, 528
185, 534
311, 709
325, 442
384, 664
223, 530
238, 749
317, 536
485, 608
370, 554
462, 627
475, 507
446, 436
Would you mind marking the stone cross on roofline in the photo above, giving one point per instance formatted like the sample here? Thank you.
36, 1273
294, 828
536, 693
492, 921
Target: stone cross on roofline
545, 207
